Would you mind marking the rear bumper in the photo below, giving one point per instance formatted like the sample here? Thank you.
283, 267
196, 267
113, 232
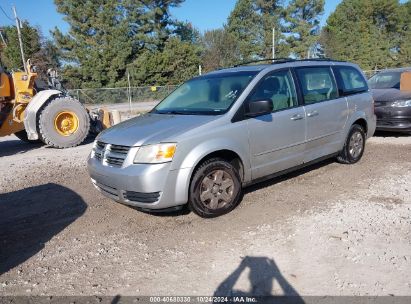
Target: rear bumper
393, 119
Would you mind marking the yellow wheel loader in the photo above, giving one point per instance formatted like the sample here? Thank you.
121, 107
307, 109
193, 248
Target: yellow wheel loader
49, 115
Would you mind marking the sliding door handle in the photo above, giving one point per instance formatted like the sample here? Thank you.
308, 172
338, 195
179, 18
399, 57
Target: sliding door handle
297, 117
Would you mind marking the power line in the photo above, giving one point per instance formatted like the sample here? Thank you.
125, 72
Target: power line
5, 14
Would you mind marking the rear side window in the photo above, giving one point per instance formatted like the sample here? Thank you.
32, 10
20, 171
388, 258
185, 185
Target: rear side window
351, 80
317, 84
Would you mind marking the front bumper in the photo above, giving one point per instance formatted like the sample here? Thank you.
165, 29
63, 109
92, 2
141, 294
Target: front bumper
145, 186
393, 119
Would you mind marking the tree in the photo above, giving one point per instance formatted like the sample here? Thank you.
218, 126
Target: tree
303, 25
252, 22
364, 32
404, 42
176, 63
220, 49
31, 38
244, 25
105, 36
42, 52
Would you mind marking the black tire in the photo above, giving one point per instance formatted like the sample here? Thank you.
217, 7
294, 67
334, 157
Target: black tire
46, 123
347, 155
22, 135
209, 167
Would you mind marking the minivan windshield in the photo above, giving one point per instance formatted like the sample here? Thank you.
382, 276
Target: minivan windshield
385, 80
206, 95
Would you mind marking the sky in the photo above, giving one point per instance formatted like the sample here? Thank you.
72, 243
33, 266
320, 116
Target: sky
203, 14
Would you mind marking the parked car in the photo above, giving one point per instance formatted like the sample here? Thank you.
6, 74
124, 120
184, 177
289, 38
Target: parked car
225, 130
392, 105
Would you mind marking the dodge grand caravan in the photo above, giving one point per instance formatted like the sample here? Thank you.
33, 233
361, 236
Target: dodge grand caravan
225, 130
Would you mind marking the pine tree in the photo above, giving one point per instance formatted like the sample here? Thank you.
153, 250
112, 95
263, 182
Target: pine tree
364, 32
252, 22
105, 36
303, 25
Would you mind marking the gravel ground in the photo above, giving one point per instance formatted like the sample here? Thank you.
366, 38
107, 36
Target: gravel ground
329, 229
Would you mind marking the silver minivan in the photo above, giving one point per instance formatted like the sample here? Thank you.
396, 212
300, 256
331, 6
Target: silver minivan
225, 130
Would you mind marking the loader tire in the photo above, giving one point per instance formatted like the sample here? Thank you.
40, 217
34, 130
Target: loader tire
63, 123
22, 135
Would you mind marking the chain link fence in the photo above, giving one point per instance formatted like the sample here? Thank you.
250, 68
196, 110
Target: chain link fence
135, 94
121, 95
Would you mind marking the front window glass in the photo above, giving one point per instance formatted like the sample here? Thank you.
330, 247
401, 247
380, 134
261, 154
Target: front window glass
206, 95
353, 81
279, 88
385, 80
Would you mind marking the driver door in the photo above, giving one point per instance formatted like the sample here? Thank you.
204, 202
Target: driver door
277, 139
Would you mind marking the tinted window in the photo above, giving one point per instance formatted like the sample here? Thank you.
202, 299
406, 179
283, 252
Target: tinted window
279, 88
351, 80
317, 84
208, 95
385, 80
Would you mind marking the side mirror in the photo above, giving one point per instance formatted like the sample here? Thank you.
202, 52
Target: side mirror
259, 107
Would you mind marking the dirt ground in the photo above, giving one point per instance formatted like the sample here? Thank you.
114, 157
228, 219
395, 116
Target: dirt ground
329, 229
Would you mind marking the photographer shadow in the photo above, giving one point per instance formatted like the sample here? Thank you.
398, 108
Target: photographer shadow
263, 273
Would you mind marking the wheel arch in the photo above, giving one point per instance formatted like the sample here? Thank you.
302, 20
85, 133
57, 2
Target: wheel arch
30, 116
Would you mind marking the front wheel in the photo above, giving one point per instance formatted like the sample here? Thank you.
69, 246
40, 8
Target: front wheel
215, 188
63, 123
354, 146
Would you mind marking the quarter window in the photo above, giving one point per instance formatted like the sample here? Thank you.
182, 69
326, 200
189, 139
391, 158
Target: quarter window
352, 80
279, 88
317, 84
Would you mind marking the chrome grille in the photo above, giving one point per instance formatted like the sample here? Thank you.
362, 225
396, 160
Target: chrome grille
110, 155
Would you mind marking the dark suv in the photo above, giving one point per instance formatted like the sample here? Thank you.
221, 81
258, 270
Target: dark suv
392, 105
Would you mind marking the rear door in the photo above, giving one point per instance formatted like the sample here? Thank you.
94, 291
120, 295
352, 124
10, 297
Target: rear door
277, 139
326, 111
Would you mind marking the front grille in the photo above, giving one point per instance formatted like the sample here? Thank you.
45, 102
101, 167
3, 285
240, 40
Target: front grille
142, 197
110, 155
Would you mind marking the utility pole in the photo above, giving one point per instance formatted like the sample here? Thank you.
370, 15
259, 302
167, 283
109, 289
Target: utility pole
20, 41
273, 43
2, 38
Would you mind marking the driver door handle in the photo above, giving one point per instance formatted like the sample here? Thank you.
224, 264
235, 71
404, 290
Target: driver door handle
312, 114
297, 117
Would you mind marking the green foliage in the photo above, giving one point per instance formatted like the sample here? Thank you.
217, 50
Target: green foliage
107, 35
365, 32
251, 23
176, 63
220, 50
303, 25
404, 41
31, 38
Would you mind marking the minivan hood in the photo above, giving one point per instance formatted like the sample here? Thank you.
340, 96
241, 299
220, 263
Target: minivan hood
389, 95
152, 129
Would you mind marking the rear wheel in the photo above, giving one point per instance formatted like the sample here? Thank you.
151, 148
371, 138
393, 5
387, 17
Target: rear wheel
215, 189
354, 146
63, 122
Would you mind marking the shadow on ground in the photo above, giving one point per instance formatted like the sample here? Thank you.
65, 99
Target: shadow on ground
16, 146
265, 278
31, 217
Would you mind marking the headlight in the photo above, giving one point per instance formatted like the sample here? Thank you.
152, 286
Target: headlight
401, 103
155, 154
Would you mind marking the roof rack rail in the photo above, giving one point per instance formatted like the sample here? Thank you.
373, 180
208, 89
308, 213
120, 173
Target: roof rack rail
284, 60
275, 60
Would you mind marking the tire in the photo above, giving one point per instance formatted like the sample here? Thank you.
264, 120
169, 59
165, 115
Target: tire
63, 123
224, 188
354, 146
22, 135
